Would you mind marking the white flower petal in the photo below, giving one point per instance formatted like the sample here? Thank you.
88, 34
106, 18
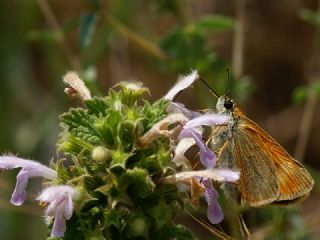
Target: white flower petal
183, 83
220, 175
179, 158
77, 85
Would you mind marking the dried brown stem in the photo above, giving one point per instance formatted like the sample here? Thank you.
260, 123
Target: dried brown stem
238, 40
311, 103
54, 25
136, 39
305, 127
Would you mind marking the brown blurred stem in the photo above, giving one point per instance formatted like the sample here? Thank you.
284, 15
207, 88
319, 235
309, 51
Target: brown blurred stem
136, 39
237, 62
313, 69
238, 40
54, 25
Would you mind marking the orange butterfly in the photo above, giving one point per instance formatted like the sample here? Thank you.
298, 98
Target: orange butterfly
268, 174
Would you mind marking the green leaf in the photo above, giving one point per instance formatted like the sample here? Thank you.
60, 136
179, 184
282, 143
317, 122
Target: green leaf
139, 183
73, 145
310, 16
119, 158
315, 87
80, 123
72, 230
110, 188
300, 94
92, 183
47, 35
162, 213
177, 232
126, 135
153, 113
105, 131
114, 217
61, 170
213, 23
87, 26
96, 106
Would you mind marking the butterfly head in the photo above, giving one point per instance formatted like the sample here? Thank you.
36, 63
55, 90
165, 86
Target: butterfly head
225, 104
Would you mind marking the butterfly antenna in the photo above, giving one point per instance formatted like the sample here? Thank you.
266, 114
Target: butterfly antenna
209, 228
214, 93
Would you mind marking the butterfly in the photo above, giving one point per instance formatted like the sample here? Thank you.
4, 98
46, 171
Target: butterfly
268, 174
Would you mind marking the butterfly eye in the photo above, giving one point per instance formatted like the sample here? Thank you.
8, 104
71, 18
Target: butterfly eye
228, 104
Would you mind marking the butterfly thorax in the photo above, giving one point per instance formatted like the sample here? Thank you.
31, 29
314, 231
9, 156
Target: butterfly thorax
225, 105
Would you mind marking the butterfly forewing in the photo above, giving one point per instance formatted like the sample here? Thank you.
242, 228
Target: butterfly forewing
258, 183
293, 179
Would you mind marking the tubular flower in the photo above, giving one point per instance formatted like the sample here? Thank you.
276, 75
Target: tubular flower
214, 211
29, 169
60, 206
205, 178
175, 107
207, 157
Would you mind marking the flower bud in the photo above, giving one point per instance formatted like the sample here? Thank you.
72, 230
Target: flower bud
138, 226
101, 154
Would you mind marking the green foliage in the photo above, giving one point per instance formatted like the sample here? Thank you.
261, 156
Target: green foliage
117, 176
87, 27
211, 23
301, 93
312, 17
192, 37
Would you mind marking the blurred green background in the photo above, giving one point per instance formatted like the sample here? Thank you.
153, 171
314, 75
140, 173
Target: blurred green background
271, 47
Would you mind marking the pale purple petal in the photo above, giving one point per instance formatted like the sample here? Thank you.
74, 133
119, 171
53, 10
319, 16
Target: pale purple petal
59, 225
182, 84
35, 169
179, 107
214, 212
19, 194
28, 170
207, 157
60, 199
68, 209
51, 193
210, 119
228, 175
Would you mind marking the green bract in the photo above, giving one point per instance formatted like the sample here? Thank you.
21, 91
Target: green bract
123, 196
